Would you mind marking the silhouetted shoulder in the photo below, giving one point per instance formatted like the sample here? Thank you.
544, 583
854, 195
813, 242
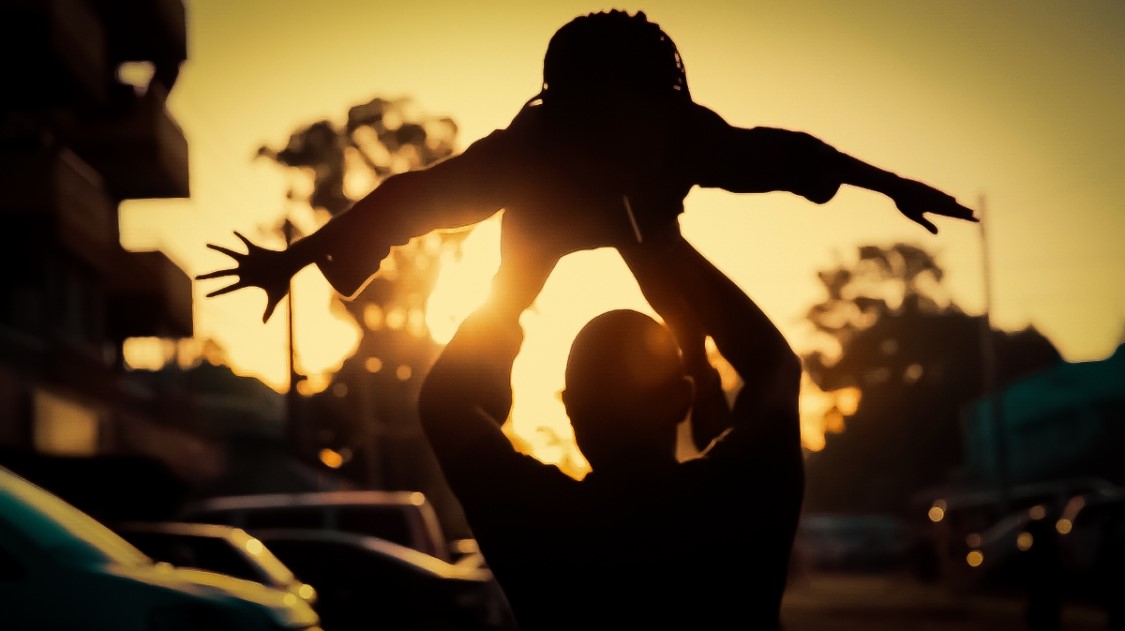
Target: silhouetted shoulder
529, 120
703, 119
492, 171
510, 141
524, 133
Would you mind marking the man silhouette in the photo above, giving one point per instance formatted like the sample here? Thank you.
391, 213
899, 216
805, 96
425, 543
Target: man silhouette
643, 540
604, 155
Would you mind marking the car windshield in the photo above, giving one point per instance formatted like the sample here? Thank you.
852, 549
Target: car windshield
234, 553
65, 532
267, 561
385, 522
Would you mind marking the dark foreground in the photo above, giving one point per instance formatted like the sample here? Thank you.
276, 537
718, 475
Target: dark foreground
843, 602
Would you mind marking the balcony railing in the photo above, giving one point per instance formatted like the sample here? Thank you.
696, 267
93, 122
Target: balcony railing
52, 52
51, 197
146, 30
149, 297
137, 147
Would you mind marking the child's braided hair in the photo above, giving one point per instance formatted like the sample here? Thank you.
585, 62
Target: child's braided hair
612, 49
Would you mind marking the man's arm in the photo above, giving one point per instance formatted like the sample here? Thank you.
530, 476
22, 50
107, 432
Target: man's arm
765, 415
466, 398
765, 159
710, 411
467, 394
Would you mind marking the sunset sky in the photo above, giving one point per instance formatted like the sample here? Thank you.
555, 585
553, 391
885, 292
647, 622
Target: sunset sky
1016, 103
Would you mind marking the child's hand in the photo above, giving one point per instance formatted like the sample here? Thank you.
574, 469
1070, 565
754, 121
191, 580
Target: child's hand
258, 267
915, 199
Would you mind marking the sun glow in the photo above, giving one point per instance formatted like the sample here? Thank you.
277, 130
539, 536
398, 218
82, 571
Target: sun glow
464, 280
539, 424
583, 285
323, 337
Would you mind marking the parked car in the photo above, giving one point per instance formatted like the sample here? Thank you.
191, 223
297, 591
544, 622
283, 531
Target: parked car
62, 569
1052, 554
365, 582
224, 549
1091, 531
466, 552
959, 520
403, 517
1014, 552
851, 543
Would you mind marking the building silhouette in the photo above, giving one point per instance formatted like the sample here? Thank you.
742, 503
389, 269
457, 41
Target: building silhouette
83, 126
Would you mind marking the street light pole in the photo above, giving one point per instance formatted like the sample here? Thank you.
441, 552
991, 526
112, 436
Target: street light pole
993, 397
292, 415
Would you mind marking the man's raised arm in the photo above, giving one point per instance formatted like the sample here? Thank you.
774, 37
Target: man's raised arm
687, 286
467, 394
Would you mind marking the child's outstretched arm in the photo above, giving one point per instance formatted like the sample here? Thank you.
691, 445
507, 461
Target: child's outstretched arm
765, 159
459, 191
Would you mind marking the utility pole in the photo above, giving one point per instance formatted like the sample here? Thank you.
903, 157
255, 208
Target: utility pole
293, 426
993, 398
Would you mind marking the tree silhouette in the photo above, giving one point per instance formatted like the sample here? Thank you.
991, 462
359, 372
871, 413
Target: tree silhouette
367, 413
895, 338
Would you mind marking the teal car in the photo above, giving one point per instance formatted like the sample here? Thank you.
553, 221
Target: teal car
62, 569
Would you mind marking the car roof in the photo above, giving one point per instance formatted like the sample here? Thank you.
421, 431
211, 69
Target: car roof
252, 548
1105, 501
1063, 487
374, 545
192, 529
325, 498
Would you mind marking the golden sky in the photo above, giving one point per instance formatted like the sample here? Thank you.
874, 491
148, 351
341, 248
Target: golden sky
1017, 103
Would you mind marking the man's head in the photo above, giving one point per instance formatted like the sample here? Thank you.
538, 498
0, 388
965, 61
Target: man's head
626, 391
612, 55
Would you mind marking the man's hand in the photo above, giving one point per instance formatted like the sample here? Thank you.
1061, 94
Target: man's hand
258, 267
915, 199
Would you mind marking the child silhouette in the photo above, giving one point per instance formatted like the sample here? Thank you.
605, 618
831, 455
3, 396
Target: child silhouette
602, 156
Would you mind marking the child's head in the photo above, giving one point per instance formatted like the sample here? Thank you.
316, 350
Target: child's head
612, 55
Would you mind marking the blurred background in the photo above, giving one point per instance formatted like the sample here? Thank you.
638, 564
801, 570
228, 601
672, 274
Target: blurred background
964, 392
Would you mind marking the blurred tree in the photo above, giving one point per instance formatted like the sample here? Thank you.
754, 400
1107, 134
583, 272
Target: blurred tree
366, 416
902, 361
